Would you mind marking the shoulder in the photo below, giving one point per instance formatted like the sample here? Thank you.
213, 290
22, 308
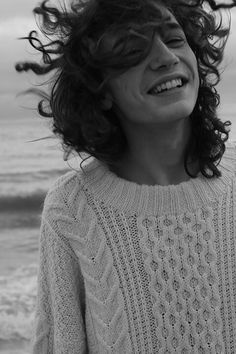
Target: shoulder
67, 215
66, 191
229, 158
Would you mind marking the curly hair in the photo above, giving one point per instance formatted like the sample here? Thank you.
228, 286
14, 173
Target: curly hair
79, 70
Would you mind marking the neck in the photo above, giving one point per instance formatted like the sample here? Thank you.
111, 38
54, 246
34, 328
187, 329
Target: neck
156, 155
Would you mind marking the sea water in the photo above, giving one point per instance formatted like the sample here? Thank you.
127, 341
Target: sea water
27, 170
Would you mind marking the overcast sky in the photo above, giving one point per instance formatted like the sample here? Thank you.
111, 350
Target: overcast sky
16, 20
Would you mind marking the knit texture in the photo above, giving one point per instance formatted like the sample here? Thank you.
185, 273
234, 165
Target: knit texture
127, 268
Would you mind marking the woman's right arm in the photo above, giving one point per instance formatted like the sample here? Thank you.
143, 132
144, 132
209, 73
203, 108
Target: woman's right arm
60, 309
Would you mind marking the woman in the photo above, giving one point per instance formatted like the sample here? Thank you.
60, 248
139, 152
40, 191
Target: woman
138, 249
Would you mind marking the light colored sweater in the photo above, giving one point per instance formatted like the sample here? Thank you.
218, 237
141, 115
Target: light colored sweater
130, 269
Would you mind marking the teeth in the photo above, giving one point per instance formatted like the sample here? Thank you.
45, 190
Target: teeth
167, 86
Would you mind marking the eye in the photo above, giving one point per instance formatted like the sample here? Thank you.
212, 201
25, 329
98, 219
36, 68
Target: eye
128, 50
176, 40
134, 51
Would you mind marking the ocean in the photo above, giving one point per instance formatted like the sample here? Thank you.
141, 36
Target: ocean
27, 171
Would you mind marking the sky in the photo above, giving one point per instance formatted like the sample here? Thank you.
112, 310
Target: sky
16, 20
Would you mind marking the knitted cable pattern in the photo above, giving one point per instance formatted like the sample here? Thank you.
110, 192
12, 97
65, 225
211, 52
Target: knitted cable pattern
136, 269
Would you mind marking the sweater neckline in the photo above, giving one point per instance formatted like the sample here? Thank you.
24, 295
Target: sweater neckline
130, 197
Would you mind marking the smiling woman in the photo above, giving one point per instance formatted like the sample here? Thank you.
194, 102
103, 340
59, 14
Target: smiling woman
131, 93
138, 249
83, 70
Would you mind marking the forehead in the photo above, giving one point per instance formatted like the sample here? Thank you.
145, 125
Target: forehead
161, 26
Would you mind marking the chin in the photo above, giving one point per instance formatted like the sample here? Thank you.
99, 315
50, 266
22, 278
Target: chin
178, 112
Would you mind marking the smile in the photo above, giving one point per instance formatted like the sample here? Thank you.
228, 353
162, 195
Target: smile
169, 85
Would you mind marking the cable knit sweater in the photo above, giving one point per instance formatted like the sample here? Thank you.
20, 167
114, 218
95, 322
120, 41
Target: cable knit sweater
127, 268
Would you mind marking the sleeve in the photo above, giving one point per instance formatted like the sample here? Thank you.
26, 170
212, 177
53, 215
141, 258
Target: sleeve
59, 324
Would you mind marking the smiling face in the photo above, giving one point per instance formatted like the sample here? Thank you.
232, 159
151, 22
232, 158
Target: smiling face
163, 87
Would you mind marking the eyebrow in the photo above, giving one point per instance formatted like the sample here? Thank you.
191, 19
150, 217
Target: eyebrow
173, 25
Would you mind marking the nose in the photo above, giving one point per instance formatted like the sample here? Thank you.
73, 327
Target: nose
162, 56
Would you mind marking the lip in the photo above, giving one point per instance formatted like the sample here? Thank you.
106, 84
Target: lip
168, 78
172, 94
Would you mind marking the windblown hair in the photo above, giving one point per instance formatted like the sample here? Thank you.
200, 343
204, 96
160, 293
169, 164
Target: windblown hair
78, 71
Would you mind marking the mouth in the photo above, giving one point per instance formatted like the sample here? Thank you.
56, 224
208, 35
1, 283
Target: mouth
171, 85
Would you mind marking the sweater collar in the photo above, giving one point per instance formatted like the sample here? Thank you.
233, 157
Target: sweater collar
127, 196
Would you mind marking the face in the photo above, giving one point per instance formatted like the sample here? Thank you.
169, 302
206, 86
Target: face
162, 88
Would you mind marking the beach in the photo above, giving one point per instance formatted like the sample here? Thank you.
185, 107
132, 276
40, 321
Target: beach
28, 169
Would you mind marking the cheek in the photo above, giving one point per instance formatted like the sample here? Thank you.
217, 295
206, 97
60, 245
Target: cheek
194, 66
125, 87
122, 92
118, 89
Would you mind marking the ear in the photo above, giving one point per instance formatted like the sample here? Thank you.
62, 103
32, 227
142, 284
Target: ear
107, 102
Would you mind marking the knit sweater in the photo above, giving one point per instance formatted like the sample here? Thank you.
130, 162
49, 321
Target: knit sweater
137, 269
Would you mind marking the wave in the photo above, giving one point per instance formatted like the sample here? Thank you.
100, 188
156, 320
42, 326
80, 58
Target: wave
17, 303
26, 175
28, 202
